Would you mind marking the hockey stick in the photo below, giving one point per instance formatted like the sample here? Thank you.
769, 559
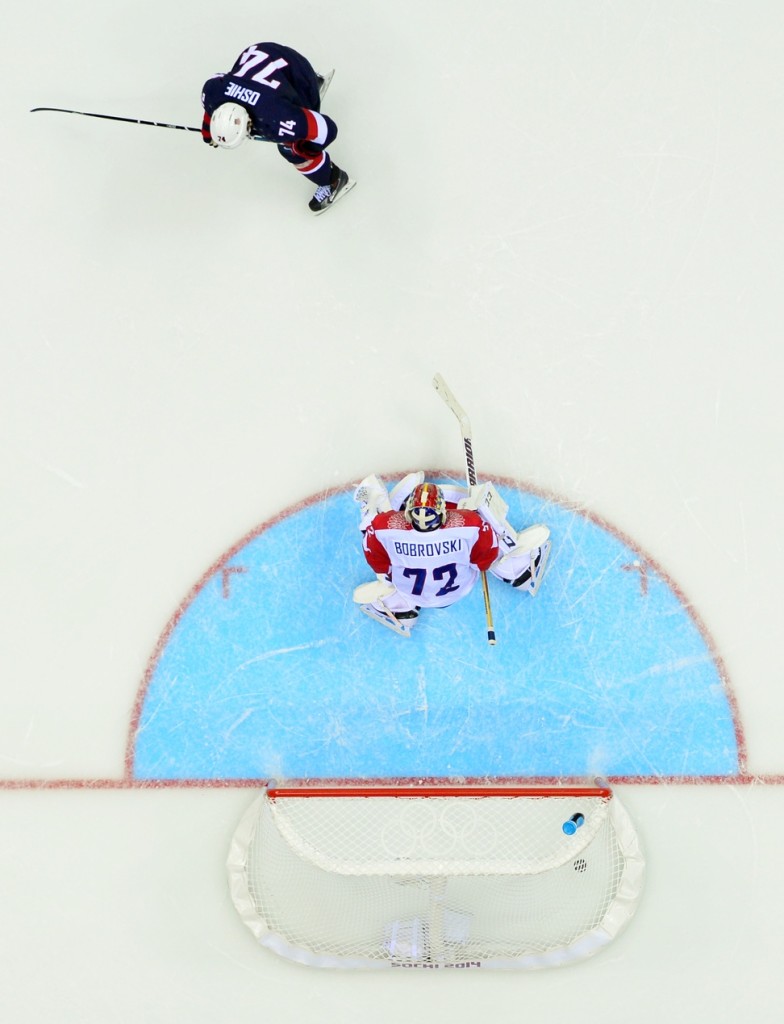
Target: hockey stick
446, 394
111, 117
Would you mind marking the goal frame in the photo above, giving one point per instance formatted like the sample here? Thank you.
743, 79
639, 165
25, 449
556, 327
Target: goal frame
618, 913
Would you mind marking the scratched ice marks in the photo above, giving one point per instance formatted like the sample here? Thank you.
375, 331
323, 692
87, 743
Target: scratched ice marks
268, 668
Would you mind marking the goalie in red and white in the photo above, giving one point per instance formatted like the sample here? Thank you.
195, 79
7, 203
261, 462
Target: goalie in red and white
428, 544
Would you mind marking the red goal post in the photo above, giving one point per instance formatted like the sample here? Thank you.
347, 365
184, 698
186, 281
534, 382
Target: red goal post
436, 875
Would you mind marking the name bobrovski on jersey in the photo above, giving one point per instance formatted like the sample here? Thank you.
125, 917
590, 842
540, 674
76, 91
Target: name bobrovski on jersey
429, 550
428, 544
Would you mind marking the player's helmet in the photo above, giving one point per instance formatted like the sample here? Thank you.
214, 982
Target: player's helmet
229, 125
426, 508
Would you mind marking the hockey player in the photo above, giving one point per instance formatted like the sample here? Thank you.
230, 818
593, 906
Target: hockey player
428, 543
272, 93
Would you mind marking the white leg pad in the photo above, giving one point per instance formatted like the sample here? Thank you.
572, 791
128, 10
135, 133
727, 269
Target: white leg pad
380, 599
376, 590
400, 492
384, 595
531, 539
373, 498
533, 563
530, 543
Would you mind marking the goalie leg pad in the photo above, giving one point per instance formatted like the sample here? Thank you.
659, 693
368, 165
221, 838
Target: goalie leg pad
373, 498
373, 592
525, 565
385, 596
382, 601
530, 539
400, 492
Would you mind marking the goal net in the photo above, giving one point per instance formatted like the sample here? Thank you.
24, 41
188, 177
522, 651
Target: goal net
435, 876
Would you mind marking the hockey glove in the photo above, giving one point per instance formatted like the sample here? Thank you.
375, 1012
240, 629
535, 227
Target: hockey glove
306, 150
206, 134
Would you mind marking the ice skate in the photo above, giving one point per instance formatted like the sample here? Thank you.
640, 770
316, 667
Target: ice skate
531, 577
326, 195
376, 591
398, 622
324, 81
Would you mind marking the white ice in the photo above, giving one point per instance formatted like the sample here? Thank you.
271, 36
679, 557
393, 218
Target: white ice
574, 212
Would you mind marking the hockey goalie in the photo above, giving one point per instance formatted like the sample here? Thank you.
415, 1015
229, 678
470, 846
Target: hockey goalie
428, 544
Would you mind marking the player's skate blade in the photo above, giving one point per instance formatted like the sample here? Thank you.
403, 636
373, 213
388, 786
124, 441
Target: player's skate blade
324, 82
531, 578
387, 620
327, 195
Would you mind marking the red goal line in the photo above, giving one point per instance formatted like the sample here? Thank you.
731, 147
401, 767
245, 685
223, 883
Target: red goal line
286, 792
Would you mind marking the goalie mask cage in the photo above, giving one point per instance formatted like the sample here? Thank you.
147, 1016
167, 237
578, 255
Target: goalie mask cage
435, 876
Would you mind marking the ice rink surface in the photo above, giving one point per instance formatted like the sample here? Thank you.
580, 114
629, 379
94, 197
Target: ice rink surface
573, 211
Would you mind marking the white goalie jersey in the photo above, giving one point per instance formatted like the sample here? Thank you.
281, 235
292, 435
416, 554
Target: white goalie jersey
436, 569
432, 570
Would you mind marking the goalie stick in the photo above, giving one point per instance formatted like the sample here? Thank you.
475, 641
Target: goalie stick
447, 395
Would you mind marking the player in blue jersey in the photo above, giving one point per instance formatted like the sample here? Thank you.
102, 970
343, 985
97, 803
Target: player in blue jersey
272, 93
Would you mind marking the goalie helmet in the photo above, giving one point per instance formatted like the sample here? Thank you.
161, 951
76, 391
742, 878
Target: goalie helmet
426, 508
229, 125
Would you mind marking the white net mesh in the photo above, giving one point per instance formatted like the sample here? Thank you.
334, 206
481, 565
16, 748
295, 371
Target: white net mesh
434, 880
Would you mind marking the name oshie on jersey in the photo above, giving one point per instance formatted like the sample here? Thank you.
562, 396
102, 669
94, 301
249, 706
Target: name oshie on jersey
241, 94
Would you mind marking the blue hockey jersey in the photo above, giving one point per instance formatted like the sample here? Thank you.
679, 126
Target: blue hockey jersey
279, 89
